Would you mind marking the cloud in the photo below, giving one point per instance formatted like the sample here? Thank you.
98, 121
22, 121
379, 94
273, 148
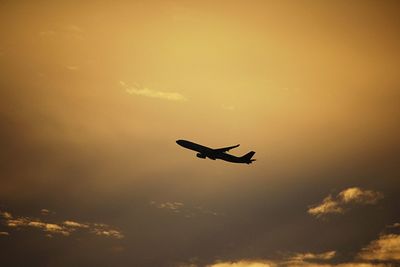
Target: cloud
65, 228
328, 205
385, 248
302, 257
358, 195
395, 225
383, 252
173, 206
178, 207
142, 91
103, 230
344, 200
244, 263
5, 214
44, 211
34, 223
75, 224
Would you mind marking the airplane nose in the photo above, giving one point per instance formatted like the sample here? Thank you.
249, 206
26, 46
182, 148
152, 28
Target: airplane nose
181, 142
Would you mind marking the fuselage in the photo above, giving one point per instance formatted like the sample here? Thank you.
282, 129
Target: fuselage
210, 153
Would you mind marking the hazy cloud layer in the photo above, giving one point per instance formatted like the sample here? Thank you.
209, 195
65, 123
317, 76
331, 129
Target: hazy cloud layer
344, 201
65, 228
143, 91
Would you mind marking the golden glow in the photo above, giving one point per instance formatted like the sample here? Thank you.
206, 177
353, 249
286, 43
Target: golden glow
300, 92
94, 94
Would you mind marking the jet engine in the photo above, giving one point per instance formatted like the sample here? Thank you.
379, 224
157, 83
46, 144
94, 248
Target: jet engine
199, 155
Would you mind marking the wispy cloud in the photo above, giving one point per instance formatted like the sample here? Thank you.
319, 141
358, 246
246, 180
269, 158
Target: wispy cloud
344, 200
300, 258
44, 211
50, 228
4, 234
65, 228
175, 207
395, 225
244, 263
5, 214
105, 230
181, 208
143, 91
327, 206
75, 224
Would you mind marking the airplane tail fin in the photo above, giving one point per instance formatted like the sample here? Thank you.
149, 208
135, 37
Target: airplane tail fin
248, 156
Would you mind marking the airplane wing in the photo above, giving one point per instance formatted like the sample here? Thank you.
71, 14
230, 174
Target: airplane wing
225, 149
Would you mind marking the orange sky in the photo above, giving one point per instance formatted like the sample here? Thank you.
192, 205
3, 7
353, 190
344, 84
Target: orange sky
93, 96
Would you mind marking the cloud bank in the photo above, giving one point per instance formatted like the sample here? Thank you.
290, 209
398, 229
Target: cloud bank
382, 252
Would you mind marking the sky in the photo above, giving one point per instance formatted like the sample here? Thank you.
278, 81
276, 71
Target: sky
94, 94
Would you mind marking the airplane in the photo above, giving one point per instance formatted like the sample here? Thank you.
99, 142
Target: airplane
218, 153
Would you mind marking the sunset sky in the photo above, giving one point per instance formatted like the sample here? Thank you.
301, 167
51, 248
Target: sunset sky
94, 94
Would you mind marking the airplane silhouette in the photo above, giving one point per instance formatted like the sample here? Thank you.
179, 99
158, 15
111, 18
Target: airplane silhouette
218, 153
